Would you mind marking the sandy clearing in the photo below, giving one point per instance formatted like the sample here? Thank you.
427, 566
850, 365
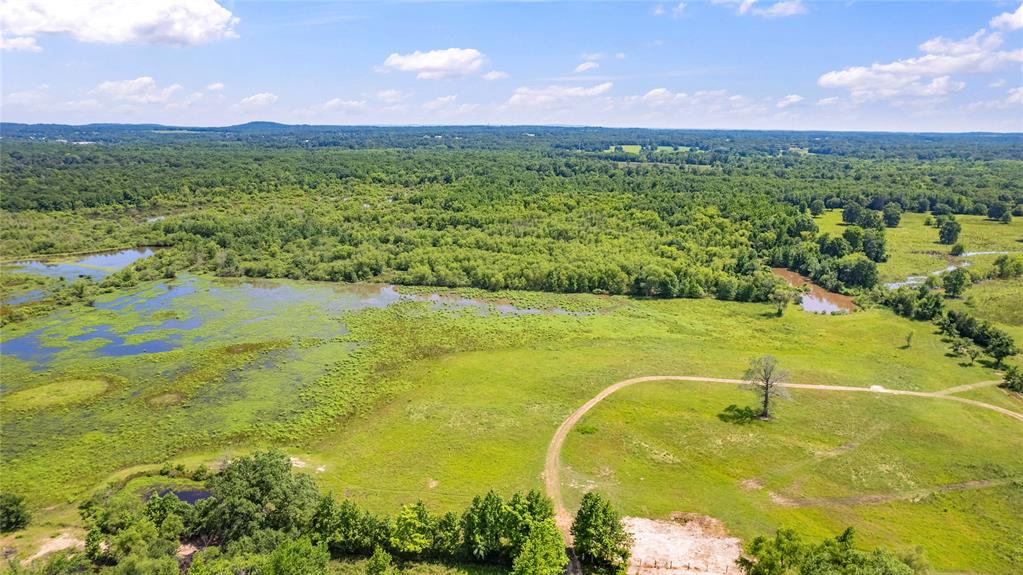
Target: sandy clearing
63, 541
681, 547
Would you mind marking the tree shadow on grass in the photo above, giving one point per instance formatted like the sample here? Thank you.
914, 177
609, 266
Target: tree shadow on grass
739, 415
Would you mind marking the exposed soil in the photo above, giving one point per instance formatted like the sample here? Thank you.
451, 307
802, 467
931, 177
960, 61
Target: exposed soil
687, 544
59, 543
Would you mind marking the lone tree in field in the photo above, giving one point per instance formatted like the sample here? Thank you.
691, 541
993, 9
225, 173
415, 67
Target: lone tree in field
764, 375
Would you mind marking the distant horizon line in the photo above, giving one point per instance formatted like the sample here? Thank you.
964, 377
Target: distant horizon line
506, 126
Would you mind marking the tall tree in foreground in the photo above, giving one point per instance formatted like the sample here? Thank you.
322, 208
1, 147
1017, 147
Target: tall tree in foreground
765, 375
543, 552
600, 538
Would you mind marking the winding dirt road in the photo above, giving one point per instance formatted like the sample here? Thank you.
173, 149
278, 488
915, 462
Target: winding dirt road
552, 464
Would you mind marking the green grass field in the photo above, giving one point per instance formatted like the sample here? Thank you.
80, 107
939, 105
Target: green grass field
394, 404
913, 247
659, 447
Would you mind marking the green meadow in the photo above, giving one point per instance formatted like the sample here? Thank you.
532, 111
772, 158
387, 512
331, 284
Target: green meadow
389, 404
914, 250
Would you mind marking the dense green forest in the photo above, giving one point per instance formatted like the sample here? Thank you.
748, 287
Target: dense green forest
690, 214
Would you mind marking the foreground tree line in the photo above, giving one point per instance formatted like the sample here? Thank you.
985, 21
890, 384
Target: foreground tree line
262, 518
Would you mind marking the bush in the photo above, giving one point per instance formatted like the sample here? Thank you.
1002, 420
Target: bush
13, 513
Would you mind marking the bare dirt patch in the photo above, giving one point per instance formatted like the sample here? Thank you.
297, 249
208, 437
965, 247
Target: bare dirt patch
751, 484
59, 543
686, 544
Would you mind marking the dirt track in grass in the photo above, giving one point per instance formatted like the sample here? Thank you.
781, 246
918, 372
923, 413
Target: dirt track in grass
552, 463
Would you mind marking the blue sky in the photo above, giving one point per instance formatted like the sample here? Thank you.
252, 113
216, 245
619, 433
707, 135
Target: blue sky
788, 64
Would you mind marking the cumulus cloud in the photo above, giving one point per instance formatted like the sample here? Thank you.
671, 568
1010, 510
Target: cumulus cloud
789, 100
258, 101
782, 9
778, 9
390, 96
702, 102
1012, 100
141, 90
28, 97
215, 87
88, 105
590, 65
441, 102
556, 95
337, 104
437, 64
18, 43
1009, 20
676, 11
174, 22
495, 75
928, 75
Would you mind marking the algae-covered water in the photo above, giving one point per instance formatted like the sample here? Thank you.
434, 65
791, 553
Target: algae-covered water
188, 363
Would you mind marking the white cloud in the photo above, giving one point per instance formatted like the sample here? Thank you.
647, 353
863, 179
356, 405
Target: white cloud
89, 105
620, 56
390, 96
215, 87
18, 44
1015, 96
779, 9
789, 100
830, 101
258, 101
589, 65
677, 11
782, 9
1012, 100
439, 103
495, 75
1009, 20
592, 56
437, 64
716, 103
556, 95
175, 22
928, 75
28, 97
343, 105
141, 90
999, 83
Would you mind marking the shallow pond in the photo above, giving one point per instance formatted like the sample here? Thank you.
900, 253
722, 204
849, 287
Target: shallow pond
919, 280
189, 496
817, 299
96, 266
166, 315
